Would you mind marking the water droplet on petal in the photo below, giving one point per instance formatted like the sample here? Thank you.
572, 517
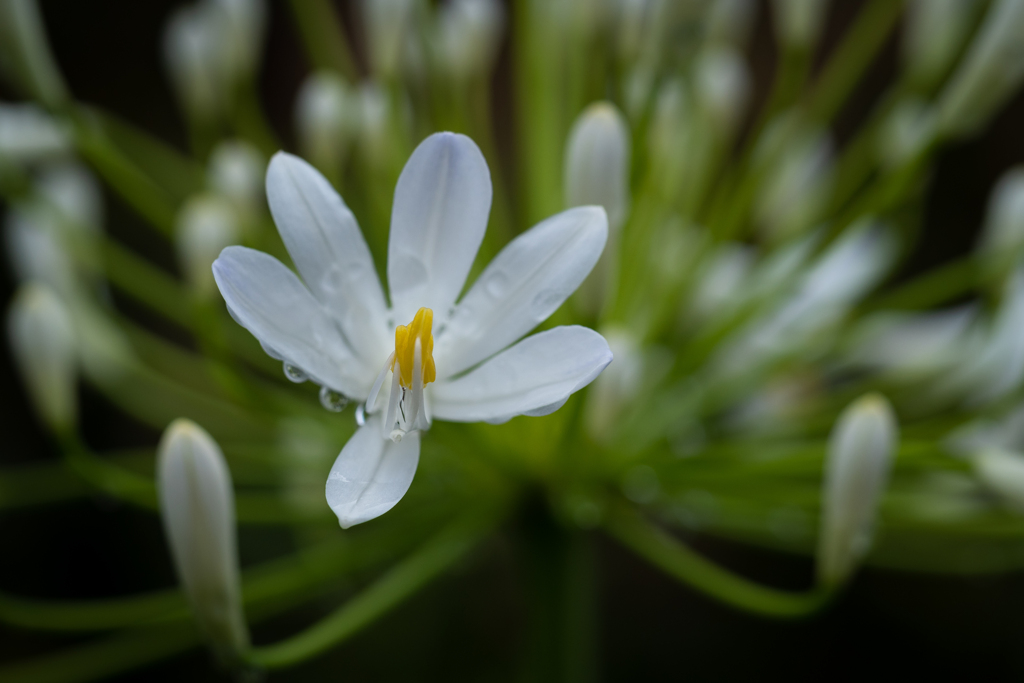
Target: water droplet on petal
496, 284
295, 373
332, 400
545, 303
361, 414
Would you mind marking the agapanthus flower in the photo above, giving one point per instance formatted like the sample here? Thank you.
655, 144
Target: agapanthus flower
425, 356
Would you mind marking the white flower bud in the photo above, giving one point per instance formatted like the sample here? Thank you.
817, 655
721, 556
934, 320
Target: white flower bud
236, 171
722, 82
722, 280
989, 73
373, 122
469, 35
36, 252
206, 224
73, 191
192, 53
326, 120
908, 128
42, 339
1002, 241
28, 134
857, 465
387, 23
241, 28
1003, 472
797, 183
798, 23
24, 50
198, 510
670, 140
597, 162
618, 385
934, 30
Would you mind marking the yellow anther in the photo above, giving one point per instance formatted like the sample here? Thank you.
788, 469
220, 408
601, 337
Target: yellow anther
405, 348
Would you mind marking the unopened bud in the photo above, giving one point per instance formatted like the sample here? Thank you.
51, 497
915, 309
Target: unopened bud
798, 23
236, 172
387, 24
42, 339
723, 87
1003, 473
74, 193
28, 134
198, 510
469, 35
36, 251
597, 162
206, 225
192, 54
989, 73
934, 31
797, 183
857, 466
24, 50
326, 121
1002, 242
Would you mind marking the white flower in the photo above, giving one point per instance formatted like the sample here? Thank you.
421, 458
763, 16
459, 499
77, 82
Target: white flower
197, 505
856, 471
457, 362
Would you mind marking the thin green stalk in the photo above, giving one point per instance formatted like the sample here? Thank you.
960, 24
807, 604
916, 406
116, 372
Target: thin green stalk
324, 37
145, 283
679, 561
41, 484
401, 582
933, 288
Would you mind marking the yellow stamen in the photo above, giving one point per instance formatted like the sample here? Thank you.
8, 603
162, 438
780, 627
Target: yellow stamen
405, 348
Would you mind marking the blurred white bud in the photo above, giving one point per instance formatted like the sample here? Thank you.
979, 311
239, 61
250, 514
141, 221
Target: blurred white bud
721, 280
1002, 240
206, 224
373, 116
42, 339
326, 120
28, 134
933, 32
798, 179
469, 35
387, 23
597, 158
907, 130
74, 193
990, 71
798, 23
241, 28
1002, 472
36, 252
617, 386
857, 466
730, 21
722, 84
236, 171
24, 50
198, 510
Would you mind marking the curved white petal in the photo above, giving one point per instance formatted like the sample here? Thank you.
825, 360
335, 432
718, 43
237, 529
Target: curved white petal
324, 240
371, 474
269, 300
534, 377
522, 287
438, 220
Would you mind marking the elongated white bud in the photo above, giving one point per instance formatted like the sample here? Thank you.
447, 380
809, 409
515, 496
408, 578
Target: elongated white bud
597, 162
388, 24
934, 30
28, 134
798, 23
23, 50
198, 509
1002, 242
723, 87
796, 185
989, 73
468, 36
236, 171
193, 57
42, 339
1003, 472
73, 192
206, 225
326, 119
857, 468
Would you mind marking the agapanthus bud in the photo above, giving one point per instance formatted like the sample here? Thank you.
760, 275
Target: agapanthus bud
192, 53
236, 171
28, 134
618, 384
36, 251
907, 130
198, 510
206, 224
326, 119
242, 24
1003, 472
933, 32
73, 191
387, 24
1002, 241
372, 107
797, 182
23, 50
42, 339
857, 465
469, 35
989, 73
597, 162
722, 82
798, 23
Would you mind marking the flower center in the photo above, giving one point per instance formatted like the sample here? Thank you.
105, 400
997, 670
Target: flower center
405, 348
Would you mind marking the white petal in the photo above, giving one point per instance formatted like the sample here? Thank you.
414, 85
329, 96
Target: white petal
269, 300
324, 240
371, 474
534, 377
522, 287
437, 223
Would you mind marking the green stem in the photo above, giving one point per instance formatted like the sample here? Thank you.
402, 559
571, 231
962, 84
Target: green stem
401, 582
676, 559
324, 37
933, 288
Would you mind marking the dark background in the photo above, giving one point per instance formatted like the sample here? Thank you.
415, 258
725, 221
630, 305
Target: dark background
469, 625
